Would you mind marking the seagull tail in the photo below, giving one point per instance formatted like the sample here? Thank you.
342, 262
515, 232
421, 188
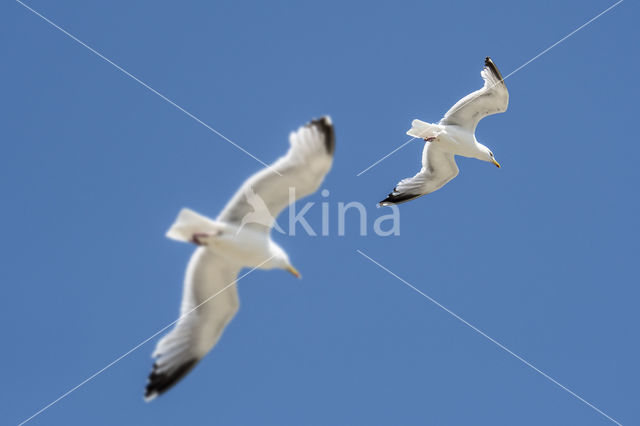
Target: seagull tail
423, 130
189, 223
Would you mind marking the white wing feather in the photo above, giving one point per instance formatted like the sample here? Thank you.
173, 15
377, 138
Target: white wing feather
438, 168
209, 302
302, 168
493, 98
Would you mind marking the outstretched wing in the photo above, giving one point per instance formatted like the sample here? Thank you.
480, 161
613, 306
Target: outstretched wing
301, 170
493, 98
438, 168
209, 301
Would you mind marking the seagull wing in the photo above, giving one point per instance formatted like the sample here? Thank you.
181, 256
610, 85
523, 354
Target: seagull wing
438, 168
302, 169
209, 301
493, 98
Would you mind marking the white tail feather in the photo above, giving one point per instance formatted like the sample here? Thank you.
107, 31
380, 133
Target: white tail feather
188, 223
423, 130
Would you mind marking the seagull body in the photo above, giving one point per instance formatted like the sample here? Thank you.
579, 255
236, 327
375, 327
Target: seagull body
232, 242
453, 135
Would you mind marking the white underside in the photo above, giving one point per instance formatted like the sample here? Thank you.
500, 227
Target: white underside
448, 138
458, 141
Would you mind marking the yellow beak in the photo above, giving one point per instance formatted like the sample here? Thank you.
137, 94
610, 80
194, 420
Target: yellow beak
495, 162
293, 271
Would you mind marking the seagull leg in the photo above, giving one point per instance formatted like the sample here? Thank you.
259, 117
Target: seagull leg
198, 238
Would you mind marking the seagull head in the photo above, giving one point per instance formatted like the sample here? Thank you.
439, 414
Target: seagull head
280, 260
487, 155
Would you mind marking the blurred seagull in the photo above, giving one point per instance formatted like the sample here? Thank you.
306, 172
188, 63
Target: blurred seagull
453, 135
230, 243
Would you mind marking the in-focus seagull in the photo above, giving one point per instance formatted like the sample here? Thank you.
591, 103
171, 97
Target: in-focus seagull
453, 135
210, 296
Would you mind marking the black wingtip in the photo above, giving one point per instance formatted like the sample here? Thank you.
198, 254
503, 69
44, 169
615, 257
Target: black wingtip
494, 69
395, 198
325, 126
161, 382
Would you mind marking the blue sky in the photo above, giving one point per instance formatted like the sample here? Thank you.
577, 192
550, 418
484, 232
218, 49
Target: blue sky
540, 254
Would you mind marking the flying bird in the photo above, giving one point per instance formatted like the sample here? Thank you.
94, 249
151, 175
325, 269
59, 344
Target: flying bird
453, 135
230, 243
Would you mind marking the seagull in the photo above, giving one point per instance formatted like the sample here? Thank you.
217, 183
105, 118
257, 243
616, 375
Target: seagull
453, 135
228, 244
